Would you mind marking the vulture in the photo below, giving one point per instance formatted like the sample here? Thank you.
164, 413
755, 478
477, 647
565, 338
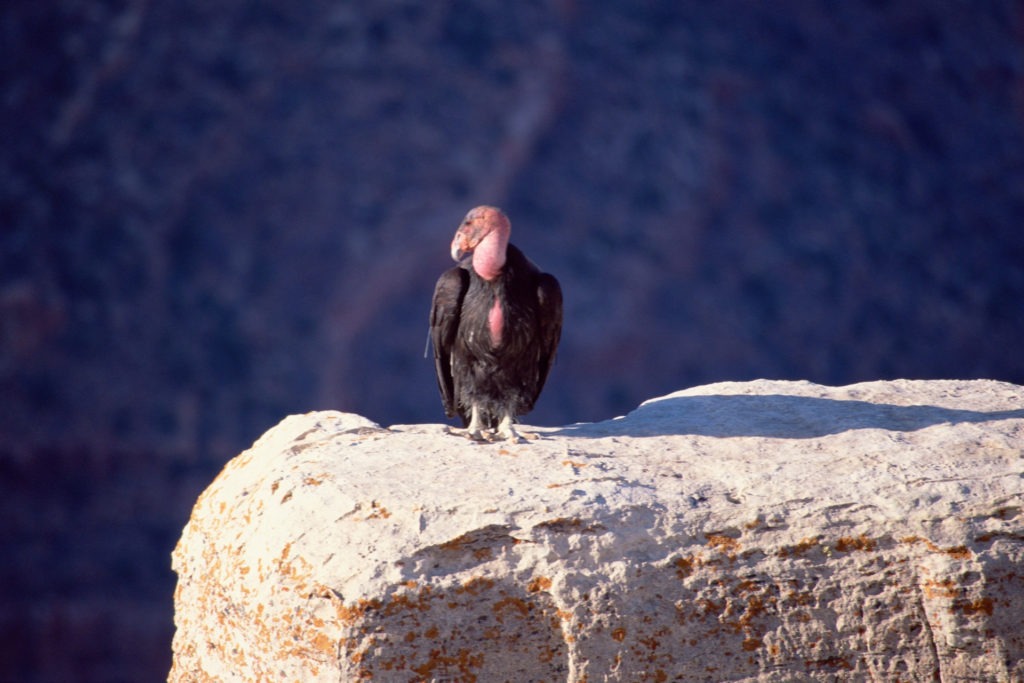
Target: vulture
495, 322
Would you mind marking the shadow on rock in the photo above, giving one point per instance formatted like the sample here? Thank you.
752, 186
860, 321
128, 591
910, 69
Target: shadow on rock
775, 416
481, 629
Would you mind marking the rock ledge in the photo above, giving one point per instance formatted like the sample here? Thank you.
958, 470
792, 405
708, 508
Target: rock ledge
761, 531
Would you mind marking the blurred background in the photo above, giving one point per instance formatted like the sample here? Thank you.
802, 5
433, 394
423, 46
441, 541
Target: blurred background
215, 214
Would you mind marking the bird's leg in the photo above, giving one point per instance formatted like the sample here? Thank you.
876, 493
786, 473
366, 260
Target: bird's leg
507, 431
475, 430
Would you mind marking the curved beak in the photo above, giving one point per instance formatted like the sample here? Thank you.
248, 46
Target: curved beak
461, 248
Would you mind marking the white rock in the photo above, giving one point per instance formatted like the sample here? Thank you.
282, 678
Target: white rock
762, 531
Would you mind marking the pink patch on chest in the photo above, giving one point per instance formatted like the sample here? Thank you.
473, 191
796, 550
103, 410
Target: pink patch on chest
495, 323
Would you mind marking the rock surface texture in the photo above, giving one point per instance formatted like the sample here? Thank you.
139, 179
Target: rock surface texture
762, 531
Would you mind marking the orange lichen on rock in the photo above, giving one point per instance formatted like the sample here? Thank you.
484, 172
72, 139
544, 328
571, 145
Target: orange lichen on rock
322, 643
475, 585
540, 583
684, 566
407, 602
977, 606
440, 666
348, 615
798, 549
751, 644
959, 552
377, 511
510, 605
726, 544
846, 544
945, 588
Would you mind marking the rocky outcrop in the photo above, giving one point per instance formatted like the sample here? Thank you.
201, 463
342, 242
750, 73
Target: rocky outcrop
764, 531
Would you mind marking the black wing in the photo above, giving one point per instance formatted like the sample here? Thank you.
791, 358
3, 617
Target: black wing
549, 323
445, 312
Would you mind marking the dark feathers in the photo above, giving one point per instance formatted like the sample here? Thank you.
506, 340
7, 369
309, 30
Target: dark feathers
502, 375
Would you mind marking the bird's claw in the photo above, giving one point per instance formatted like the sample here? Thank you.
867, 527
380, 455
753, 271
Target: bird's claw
474, 435
481, 436
511, 437
507, 432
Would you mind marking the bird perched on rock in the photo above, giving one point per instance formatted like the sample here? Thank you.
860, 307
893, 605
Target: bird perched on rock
495, 322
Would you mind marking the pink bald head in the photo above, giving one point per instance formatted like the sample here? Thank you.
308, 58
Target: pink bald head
484, 233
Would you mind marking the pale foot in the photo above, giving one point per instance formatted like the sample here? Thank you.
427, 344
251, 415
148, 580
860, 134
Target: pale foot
507, 432
475, 435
